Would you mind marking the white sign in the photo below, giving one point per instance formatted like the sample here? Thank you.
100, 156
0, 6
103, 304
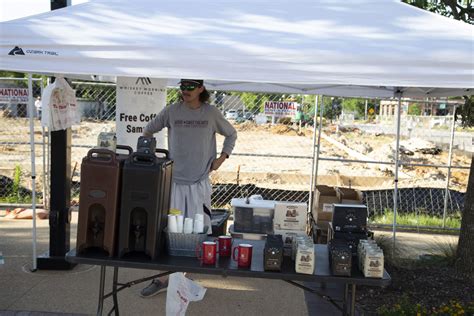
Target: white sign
139, 100
19, 95
280, 108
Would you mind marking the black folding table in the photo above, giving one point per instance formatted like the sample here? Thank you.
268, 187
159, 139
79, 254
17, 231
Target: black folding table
228, 267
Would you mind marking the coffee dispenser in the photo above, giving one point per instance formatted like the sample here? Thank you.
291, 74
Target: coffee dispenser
145, 201
99, 197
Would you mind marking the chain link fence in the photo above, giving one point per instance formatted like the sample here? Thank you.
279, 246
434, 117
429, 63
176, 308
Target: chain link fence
273, 156
15, 163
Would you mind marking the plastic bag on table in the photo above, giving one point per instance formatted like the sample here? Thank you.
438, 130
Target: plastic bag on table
180, 292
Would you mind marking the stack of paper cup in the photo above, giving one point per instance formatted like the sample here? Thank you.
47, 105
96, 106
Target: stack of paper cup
199, 217
198, 224
188, 225
180, 221
198, 227
172, 224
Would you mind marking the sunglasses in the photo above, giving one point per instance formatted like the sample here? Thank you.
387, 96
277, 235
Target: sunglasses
188, 87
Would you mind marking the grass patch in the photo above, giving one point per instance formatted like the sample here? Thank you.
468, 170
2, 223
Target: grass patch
418, 220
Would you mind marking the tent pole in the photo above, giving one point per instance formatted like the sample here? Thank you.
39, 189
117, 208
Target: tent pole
313, 173
448, 177
33, 171
44, 154
397, 165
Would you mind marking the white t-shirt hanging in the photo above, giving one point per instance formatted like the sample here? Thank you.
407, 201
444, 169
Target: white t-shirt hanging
60, 110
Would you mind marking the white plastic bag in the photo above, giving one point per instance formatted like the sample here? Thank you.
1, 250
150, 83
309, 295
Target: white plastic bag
180, 292
60, 110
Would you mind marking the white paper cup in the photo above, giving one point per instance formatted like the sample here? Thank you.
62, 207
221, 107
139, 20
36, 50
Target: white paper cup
188, 225
199, 217
198, 227
180, 221
172, 224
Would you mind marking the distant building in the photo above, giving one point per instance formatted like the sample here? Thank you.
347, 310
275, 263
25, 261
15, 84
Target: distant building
433, 107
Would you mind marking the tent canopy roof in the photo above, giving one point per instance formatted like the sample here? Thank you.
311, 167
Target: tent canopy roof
370, 48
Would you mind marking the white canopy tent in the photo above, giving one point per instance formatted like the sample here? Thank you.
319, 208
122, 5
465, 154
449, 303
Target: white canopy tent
360, 48
355, 48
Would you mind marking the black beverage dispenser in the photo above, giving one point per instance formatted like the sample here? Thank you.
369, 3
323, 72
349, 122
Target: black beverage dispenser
146, 189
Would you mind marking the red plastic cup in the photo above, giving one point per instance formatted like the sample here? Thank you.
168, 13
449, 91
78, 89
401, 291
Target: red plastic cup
225, 246
244, 255
206, 252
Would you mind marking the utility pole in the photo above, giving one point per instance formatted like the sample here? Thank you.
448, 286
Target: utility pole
60, 199
365, 111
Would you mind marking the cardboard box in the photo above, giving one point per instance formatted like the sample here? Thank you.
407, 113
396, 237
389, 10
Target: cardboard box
323, 199
323, 232
290, 215
350, 196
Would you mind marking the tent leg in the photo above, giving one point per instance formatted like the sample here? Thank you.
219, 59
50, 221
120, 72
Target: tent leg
31, 110
60, 200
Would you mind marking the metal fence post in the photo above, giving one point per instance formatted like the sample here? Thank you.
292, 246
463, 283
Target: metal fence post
314, 168
397, 164
448, 176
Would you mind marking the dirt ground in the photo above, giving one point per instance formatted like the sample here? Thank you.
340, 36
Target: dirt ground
277, 156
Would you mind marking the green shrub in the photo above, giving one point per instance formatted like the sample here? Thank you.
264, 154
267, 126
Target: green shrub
405, 307
16, 195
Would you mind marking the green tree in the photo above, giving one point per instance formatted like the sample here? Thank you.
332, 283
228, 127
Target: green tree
357, 106
414, 109
255, 102
172, 96
457, 9
460, 10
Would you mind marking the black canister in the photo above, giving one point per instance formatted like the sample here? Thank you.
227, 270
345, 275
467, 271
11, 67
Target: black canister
146, 189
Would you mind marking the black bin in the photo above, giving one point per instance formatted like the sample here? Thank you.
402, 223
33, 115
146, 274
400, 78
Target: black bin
219, 219
145, 201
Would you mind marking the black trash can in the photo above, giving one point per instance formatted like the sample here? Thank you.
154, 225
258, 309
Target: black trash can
219, 219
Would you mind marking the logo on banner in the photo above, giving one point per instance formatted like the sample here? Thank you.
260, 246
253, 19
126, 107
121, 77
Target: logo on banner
16, 51
19, 51
142, 86
143, 80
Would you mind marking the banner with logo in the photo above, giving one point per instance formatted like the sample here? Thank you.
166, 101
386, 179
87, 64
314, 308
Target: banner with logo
139, 100
280, 108
18, 95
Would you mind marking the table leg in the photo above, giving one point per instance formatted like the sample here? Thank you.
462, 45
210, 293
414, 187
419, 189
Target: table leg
345, 300
353, 300
100, 306
114, 291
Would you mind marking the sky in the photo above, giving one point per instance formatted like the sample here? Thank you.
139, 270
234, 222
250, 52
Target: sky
15, 9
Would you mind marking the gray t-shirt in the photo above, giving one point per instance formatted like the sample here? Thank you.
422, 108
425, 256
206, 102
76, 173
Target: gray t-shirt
192, 138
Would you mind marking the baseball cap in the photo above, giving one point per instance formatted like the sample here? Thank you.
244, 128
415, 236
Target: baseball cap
192, 81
